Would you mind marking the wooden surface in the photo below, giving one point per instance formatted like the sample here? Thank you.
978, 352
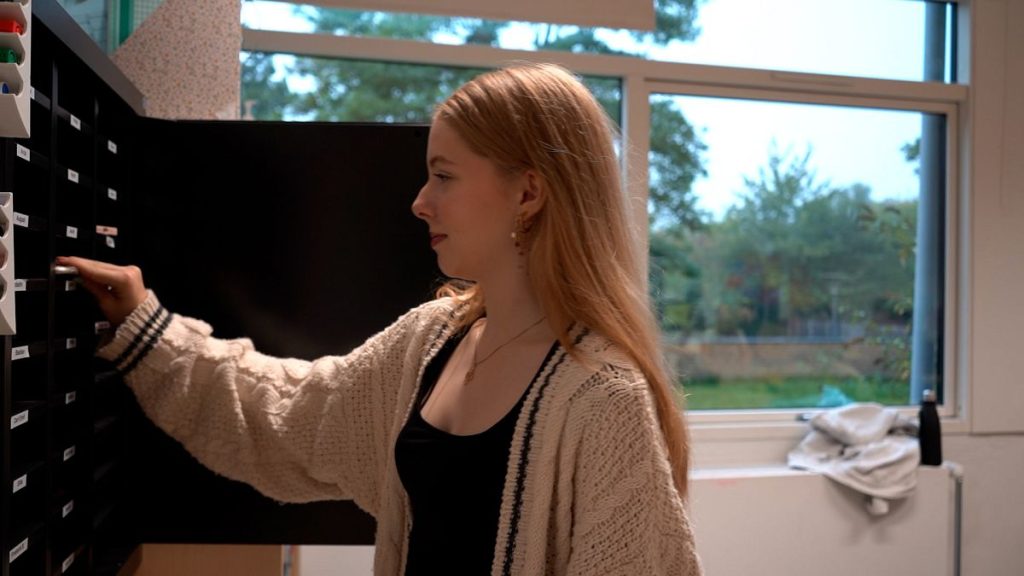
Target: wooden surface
210, 560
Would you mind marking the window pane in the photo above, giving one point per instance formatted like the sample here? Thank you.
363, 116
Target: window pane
870, 38
784, 274
109, 23
92, 16
287, 87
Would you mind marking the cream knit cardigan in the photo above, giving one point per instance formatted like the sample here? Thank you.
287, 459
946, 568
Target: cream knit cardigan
588, 490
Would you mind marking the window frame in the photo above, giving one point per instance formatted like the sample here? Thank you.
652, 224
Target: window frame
947, 109
740, 436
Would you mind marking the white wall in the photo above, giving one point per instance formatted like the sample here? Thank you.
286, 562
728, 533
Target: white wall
993, 452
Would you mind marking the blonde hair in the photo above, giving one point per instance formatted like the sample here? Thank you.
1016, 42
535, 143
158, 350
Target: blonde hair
580, 258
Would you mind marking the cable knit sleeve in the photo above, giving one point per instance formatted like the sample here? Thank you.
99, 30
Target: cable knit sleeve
628, 517
297, 431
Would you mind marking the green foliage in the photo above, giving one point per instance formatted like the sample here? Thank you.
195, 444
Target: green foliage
675, 162
801, 392
346, 90
674, 20
269, 97
793, 251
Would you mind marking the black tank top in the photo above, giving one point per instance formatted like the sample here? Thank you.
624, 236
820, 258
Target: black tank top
454, 484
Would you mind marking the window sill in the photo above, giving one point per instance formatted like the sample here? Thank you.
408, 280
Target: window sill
755, 445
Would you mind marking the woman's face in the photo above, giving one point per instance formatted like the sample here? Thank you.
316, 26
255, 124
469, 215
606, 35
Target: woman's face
469, 205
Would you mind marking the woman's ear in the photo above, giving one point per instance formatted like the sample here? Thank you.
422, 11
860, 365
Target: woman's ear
532, 193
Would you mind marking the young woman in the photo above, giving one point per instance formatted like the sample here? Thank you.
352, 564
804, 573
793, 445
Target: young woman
521, 423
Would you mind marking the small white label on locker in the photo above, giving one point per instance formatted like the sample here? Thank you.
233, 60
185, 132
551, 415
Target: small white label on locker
75, 122
23, 153
111, 146
110, 242
71, 343
72, 232
32, 92
70, 286
69, 453
19, 419
70, 397
20, 220
72, 175
18, 550
111, 193
20, 483
67, 509
67, 563
102, 325
19, 352
20, 285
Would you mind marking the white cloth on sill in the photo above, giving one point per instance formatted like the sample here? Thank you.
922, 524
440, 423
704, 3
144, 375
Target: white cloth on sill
865, 446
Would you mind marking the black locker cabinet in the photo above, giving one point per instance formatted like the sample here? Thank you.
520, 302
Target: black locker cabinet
297, 235
62, 443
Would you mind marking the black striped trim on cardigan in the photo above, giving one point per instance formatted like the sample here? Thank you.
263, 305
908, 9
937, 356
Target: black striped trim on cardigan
146, 339
524, 457
127, 352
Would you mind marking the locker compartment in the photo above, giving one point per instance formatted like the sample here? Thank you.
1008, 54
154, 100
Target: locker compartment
113, 117
28, 374
68, 466
31, 187
106, 396
68, 531
72, 367
39, 141
76, 90
74, 240
42, 62
67, 503
29, 547
28, 433
31, 252
105, 501
74, 145
114, 539
28, 504
30, 311
72, 311
110, 249
107, 442
74, 204
107, 481
110, 204
75, 562
40, 123
111, 166
67, 420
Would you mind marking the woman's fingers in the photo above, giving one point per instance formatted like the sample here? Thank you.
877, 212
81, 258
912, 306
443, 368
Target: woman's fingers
118, 289
99, 272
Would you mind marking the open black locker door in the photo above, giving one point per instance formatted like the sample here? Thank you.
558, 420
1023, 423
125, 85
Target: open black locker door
299, 236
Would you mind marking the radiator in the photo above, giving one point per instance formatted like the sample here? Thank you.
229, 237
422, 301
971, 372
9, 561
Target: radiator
782, 521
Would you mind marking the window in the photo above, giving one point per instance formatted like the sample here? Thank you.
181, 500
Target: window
817, 36
341, 90
110, 22
799, 224
784, 277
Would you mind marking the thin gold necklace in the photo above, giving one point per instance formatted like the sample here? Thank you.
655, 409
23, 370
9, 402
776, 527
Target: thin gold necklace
472, 369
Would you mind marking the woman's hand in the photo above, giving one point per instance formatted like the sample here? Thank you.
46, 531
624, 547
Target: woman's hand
118, 289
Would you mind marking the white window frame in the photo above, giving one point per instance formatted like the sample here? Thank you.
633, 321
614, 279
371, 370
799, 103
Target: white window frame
738, 437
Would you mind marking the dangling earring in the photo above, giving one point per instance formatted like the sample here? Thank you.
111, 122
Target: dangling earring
519, 236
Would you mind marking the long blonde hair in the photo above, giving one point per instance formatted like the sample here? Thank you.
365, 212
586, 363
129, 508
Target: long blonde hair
581, 256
